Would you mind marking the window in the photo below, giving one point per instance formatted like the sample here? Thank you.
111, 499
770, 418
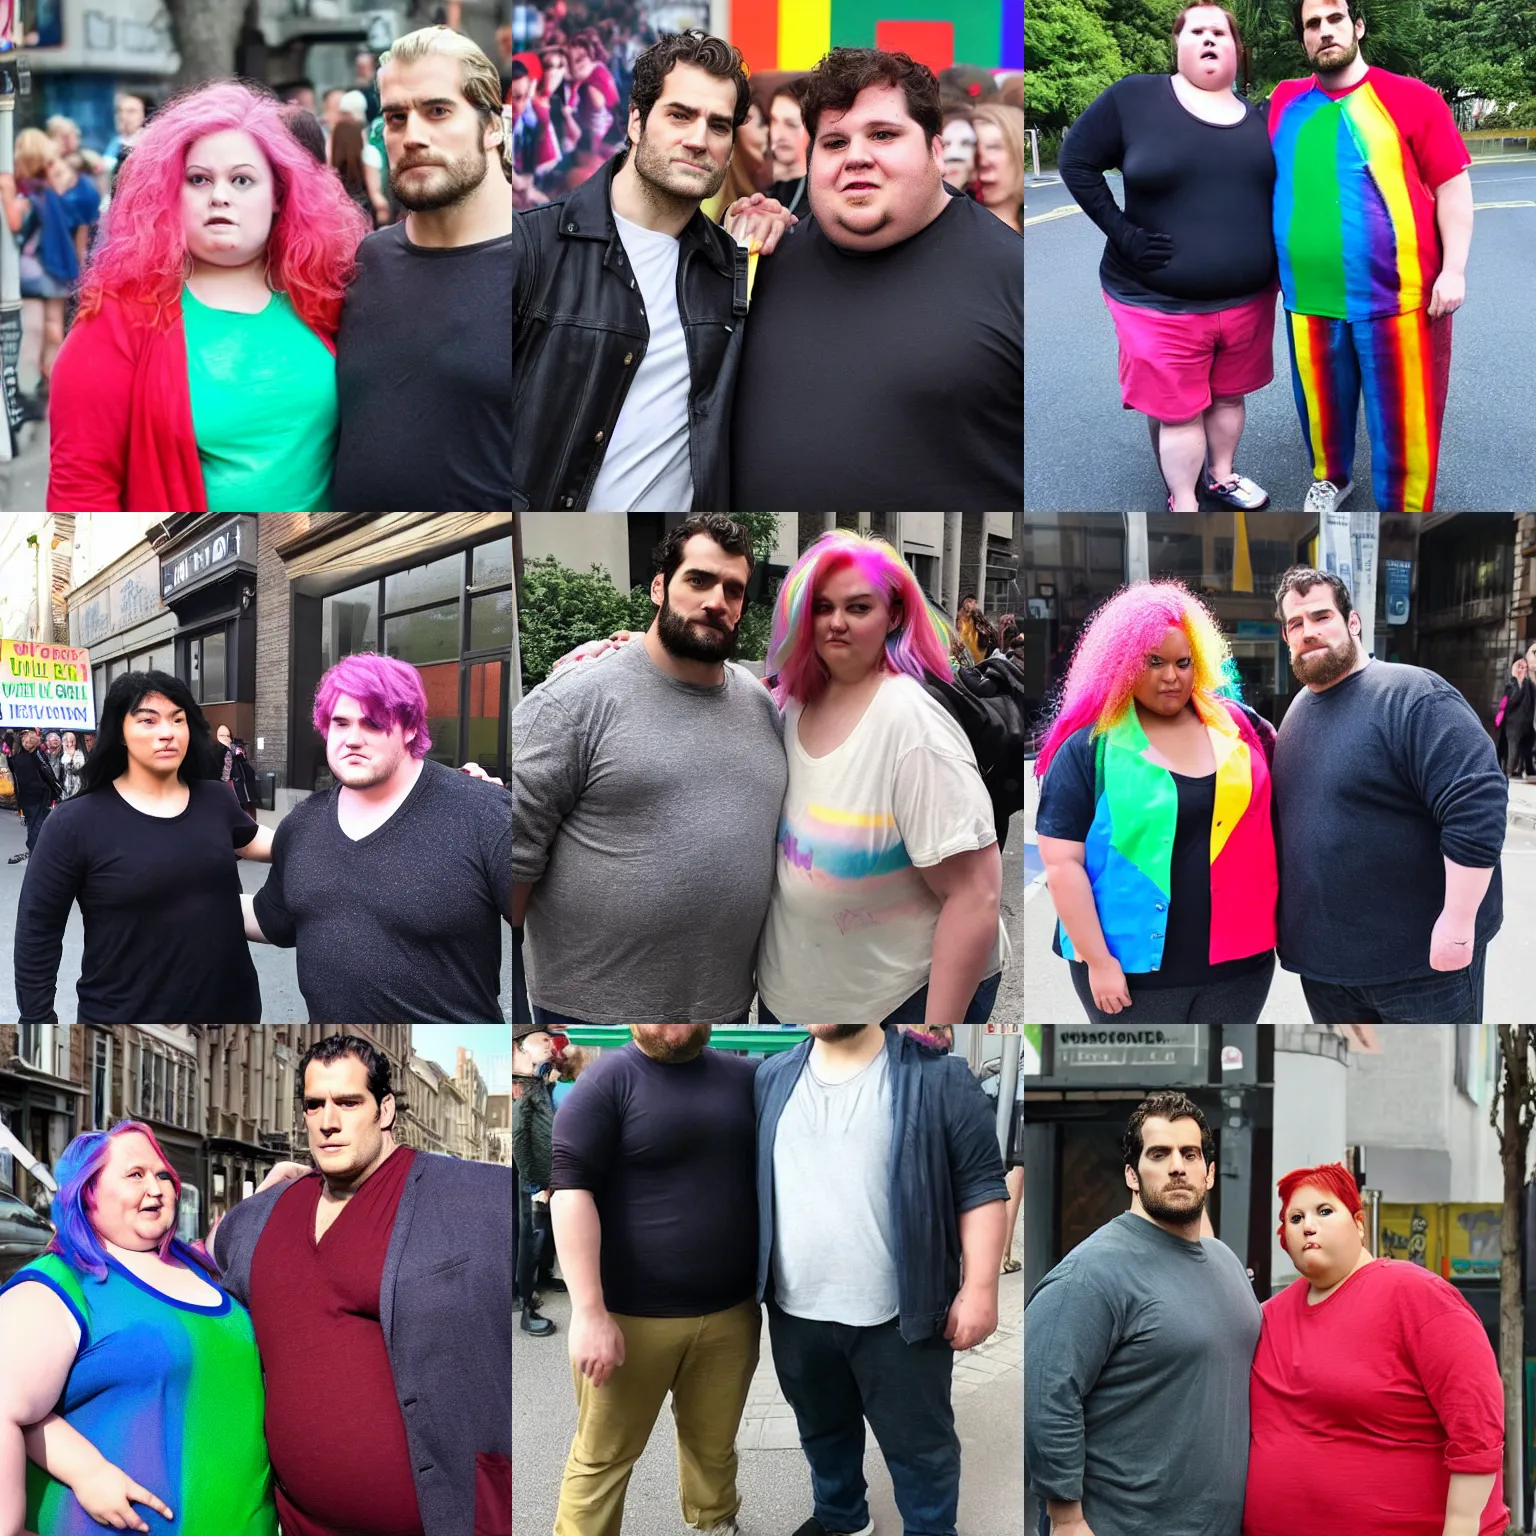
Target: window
207, 672
490, 621
432, 634
492, 563
101, 1082
349, 623
424, 584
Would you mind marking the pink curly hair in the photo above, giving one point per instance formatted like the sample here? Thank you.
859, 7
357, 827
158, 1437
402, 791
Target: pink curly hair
316, 227
1112, 649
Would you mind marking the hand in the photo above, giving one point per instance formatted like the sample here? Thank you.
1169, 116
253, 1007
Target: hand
624, 636
1520, 669
107, 1494
596, 1345
1078, 1527
542, 1198
7, 184
283, 1173
1447, 295
1451, 942
1107, 982
973, 1317
475, 771
1145, 249
758, 220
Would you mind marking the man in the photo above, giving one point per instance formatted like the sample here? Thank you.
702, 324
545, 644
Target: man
37, 788
1519, 722
1137, 1352
423, 361
380, 1281
534, 150
394, 884
1392, 809
881, 1205
630, 302
128, 113
654, 1214
646, 792
533, 1121
365, 77
909, 300
787, 145
298, 93
1370, 286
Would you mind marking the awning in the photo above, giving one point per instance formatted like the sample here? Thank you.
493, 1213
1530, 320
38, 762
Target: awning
23, 1155
390, 538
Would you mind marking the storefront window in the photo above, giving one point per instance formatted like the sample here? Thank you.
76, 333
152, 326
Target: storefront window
348, 624
430, 635
493, 563
214, 649
423, 584
487, 705
442, 685
490, 621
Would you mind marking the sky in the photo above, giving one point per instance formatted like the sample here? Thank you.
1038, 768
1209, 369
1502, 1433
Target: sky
491, 1043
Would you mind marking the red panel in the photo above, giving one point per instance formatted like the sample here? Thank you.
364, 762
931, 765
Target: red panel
755, 30
929, 42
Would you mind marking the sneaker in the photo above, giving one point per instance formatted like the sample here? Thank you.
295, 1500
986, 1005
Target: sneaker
1324, 496
725, 1528
814, 1527
538, 1326
1239, 492
16, 858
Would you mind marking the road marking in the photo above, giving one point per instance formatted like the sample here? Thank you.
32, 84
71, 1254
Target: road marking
1521, 203
1055, 213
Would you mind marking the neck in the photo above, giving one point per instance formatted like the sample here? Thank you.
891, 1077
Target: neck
128, 1255
854, 1050
706, 674
249, 277
397, 786
1362, 661
344, 1189
846, 688
1342, 79
151, 782
1151, 720
1318, 1292
485, 214
1188, 1230
1204, 90
638, 200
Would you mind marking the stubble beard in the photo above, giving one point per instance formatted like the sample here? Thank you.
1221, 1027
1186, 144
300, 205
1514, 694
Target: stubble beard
1351, 53
1326, 666
654, 172
659, 1048
464, 178
686, 639
1175, 1215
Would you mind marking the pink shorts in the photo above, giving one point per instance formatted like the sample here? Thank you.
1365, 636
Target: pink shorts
1173, 366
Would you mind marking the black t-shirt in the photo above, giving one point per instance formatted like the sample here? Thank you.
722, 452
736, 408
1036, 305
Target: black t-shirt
405, 923
669, 1152
915, 398
793, 195
160, 901
36, 783
1207, 186
424, 378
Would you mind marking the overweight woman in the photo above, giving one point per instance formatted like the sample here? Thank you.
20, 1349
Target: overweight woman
1377, 1407
1154, 819
1189, 270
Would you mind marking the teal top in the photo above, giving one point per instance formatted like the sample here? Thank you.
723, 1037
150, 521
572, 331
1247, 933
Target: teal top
263, 407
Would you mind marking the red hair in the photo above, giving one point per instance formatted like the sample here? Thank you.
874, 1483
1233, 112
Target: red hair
1335, 1178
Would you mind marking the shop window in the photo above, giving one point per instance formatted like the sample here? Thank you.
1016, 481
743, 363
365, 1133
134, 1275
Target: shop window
442, 686
487, 708
424, 584
490, 621
492, 563
349, 623
430, 635
215, 689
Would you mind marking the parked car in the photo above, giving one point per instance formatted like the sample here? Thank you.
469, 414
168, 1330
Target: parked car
23, 1235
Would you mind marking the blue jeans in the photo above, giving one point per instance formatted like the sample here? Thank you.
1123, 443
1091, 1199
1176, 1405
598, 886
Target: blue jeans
1445, 997
915, 1009
544, 1016
835, 1377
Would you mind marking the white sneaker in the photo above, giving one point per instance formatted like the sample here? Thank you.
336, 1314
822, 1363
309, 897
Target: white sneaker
1324, 496
725, 1528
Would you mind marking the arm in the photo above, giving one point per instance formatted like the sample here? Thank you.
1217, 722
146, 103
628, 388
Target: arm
52, 883
375, 185
1465, 1502
760, 219
520, 893
970, 887
548, 777
260, 849
91, 390
105, 1491
983, 1235
1096, 144
252, 927
1066, 878
597, 1342
39, 1339
1453, 217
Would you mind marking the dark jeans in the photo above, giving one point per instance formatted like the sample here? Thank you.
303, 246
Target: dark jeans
915, 1009
35, 816
1446, 997
544, 1016
1517, 750
835, 1377
535, 1243
520, 1010
1238, 1000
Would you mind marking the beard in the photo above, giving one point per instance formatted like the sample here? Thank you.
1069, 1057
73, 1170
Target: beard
459, 179
1167, 1210
653, 165
366, 775
692, 639
1351, 52
835, 1032
658, 1047
1327, 665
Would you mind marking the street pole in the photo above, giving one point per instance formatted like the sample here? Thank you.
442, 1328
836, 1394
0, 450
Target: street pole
1007, 1089
1137, 560
10, 263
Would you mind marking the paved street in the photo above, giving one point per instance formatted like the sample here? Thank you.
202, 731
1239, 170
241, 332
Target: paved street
1083, 452
774, 1479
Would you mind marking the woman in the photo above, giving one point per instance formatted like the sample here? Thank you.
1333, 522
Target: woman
71, 761
53, 750
959, 139
886, 902
558, 94
597, 97
1154, 818
1375, 1396
201, 372
235, 769
1000, 161
1189, 271
347, 161
131, 1376
147, 848
573, 1062
749, 170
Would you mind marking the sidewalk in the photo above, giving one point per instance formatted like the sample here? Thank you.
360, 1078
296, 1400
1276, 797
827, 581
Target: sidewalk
774, 1480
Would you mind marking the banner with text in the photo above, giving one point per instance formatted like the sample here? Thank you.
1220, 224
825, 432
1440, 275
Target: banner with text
47, 686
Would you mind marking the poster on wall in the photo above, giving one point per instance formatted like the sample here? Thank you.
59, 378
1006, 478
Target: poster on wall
46, 686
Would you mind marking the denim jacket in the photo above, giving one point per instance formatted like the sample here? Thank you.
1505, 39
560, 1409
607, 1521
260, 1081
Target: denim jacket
944, 1161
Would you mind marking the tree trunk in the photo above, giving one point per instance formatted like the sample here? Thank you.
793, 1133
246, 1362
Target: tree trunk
206, 33
1514, 1137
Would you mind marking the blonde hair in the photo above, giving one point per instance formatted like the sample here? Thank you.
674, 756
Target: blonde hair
1009, 121
479, 79
34, 153
58, 123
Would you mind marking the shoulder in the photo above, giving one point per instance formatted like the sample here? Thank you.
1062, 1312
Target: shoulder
1075, 754
734, 1069
36, 1292
1406, 89
465, 792
383, 245
1414, 1290
752, 688
784, 1062
1099, 1258
907, 703
460, 1173
308, 814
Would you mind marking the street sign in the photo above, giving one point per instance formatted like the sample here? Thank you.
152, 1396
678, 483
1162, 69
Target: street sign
1172, 1045
47, 686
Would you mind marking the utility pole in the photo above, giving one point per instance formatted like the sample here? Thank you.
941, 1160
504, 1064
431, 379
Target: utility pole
1511, 1114
13, 81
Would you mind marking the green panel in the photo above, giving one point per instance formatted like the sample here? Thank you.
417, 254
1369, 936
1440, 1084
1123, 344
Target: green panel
724, 1037
978, 24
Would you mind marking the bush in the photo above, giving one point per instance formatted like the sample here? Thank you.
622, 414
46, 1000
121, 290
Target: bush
559, 609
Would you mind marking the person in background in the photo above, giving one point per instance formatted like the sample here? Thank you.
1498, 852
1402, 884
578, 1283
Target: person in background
308, 130
533, 1120
597, 97
235, 769
753, 132
365, 79
959, 146
535, 151
53, 750
346, 159
129, 111
970, 612
1519, 722
788, 145
1000, 161
573, 1062
330, 112
37, 789
748, 171
557, 91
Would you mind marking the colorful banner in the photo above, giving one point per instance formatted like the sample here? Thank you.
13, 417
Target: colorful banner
47, 686
794, 34
1414, 1233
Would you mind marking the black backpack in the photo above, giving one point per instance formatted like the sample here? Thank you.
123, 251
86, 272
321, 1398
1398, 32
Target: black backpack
987, 702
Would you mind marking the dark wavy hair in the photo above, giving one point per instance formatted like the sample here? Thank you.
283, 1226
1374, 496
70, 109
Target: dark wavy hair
1166, 1106
834, 85
729, 535
109, 757
712, 54
334, 1047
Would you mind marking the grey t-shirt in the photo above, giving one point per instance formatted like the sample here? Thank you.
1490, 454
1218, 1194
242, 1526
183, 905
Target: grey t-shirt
834, 1256
1137, 1351
645, 810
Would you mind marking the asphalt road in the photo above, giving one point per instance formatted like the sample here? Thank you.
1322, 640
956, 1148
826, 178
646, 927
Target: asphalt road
1083, 452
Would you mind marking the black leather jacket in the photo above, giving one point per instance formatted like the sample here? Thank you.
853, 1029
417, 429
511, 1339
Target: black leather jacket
580, 332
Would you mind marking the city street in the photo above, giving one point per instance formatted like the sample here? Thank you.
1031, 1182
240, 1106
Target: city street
1083, 452
774, 1480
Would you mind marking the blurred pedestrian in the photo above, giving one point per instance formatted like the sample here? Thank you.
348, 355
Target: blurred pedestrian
959, 137
533, 1120
37, 788
597, 97
308, 130
129, 113
1000, 161
346, 159
573, 1062
535, 151
71, 761
235, 770
53, 750
970, 612
788, 145
1520, 715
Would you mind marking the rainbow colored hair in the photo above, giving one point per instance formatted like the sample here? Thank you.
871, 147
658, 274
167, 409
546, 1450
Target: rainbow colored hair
1112, 650
316, 227
390, 690
918, 646
75, 1240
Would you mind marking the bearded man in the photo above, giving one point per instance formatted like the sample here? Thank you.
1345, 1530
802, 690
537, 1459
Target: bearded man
655, 1221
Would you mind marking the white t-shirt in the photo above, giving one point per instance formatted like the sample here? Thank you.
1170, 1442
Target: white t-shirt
646, 467
849, 935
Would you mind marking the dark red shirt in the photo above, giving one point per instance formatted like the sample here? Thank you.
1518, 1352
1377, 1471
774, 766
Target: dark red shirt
334, 1427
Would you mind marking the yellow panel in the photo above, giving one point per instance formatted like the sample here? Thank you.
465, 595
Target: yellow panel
1472, 1240
1414, 1233
805, 32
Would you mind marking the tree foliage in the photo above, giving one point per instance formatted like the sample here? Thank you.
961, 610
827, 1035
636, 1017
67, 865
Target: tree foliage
1073, 57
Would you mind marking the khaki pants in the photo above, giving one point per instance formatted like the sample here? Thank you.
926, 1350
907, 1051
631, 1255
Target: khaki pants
706, 1363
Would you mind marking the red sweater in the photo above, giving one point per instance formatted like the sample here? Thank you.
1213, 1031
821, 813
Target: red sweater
1364, 1405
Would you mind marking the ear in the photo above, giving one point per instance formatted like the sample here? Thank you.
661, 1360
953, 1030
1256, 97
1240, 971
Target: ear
1132, 1183
658, 588
635, 128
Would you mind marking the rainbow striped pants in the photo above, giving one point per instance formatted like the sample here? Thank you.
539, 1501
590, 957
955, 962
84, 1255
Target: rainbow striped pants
1400, 364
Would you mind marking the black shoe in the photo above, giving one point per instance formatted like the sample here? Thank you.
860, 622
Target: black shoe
814, 1527
536, 1325
549, 1283
16, 858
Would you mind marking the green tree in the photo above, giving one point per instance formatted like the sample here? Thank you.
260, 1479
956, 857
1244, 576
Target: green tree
1143, 32
1073, 57
560, 609
1479, 50
1394, 37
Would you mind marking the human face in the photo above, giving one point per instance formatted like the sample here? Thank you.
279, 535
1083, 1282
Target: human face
701, 606
367, 68
999, 181
1206, 51
754, 131
876, 177
555, 70
223, 734
850, 620
1530, 661
133, 1203
228, 199
304, 98
538, 1047
29, 741
330, 110
1172, 1176
439, 150
684, 146
346, 1125
519, 94
54, 743
787, 139
1323, 1239
1331, 38
156, 735
361, 750
959, 139
671, 1042
1167, 678
1322, 641
69, 741
128, 115
582, 62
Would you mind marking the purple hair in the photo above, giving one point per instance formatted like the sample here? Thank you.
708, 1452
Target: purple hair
918, 646
75, 1240
391, 691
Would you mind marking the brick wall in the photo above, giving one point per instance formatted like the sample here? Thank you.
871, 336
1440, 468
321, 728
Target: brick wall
272, 620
